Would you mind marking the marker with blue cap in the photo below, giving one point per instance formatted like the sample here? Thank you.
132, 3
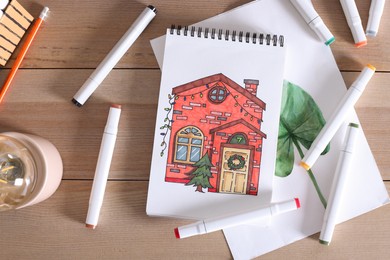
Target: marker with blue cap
374, 18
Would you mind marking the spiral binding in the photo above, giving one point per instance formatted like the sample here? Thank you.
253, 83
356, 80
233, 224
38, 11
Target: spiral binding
220, 34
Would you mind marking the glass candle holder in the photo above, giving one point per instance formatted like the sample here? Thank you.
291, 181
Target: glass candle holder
30, 170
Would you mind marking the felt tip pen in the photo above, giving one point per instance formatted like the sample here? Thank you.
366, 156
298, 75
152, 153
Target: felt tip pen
103, 166
354, 22
311, 17
374, 17
338, 184
211, 225
338, 116
113, 57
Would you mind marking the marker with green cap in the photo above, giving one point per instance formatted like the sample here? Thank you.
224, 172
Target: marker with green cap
311, 17
338, 184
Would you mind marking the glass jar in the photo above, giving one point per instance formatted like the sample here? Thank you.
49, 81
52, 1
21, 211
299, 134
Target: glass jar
30, 170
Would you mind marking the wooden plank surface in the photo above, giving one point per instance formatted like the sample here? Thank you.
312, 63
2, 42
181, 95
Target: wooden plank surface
78, 34
76, 37
54, 229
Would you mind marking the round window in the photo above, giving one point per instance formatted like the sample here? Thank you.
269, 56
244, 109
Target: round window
217, 94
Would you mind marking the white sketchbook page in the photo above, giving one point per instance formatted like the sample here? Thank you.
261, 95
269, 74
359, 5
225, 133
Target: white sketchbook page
189, 59
311, 65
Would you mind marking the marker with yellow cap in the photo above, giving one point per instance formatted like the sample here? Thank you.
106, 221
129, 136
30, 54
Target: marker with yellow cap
354, 22
337, 118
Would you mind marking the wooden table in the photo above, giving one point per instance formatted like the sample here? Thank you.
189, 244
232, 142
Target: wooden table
76, 37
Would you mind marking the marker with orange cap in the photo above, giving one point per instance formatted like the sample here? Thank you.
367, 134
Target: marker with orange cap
354, 22
337, 118
211, 225
103, 166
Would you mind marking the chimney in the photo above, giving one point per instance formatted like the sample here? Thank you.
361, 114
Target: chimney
251, 85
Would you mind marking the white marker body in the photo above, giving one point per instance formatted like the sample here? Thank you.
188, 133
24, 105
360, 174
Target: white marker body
311, 17
374, 18
338, 184
103, 167
353, 19
211, 225
113, 57
337, 118
3, 5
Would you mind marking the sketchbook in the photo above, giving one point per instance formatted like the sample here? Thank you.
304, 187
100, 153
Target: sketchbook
311, 73
217, 122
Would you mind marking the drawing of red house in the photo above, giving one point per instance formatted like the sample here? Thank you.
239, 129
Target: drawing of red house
216, 116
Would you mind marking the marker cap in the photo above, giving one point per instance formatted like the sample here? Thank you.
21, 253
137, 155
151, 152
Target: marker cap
358, 35
371, 33
196, 228
323, 242
286, 206
305, 166
371, 67
45, 12
364, 77
177, 234
113, 119
374, 18
3, 4
322, 31
350, 140
90, 226
361, 44
310, 160
151, 7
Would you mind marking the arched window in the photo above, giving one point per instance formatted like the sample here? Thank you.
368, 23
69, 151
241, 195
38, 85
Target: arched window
238, 138
188, 145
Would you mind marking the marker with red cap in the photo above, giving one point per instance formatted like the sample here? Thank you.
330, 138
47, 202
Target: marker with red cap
103, 166
211, 225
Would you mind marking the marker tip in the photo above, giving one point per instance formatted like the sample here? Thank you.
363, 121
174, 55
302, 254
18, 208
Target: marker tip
360, 44
304, 165
90, 226
177, 234
298, 203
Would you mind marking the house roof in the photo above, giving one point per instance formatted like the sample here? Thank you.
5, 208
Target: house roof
235, 122
222, 78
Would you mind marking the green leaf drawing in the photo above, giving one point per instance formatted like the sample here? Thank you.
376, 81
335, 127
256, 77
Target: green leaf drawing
301, 120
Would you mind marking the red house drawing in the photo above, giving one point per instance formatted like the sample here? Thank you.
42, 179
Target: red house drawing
216, 116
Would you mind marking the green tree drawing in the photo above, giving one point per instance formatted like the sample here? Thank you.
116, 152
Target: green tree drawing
301, 120
200, 177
